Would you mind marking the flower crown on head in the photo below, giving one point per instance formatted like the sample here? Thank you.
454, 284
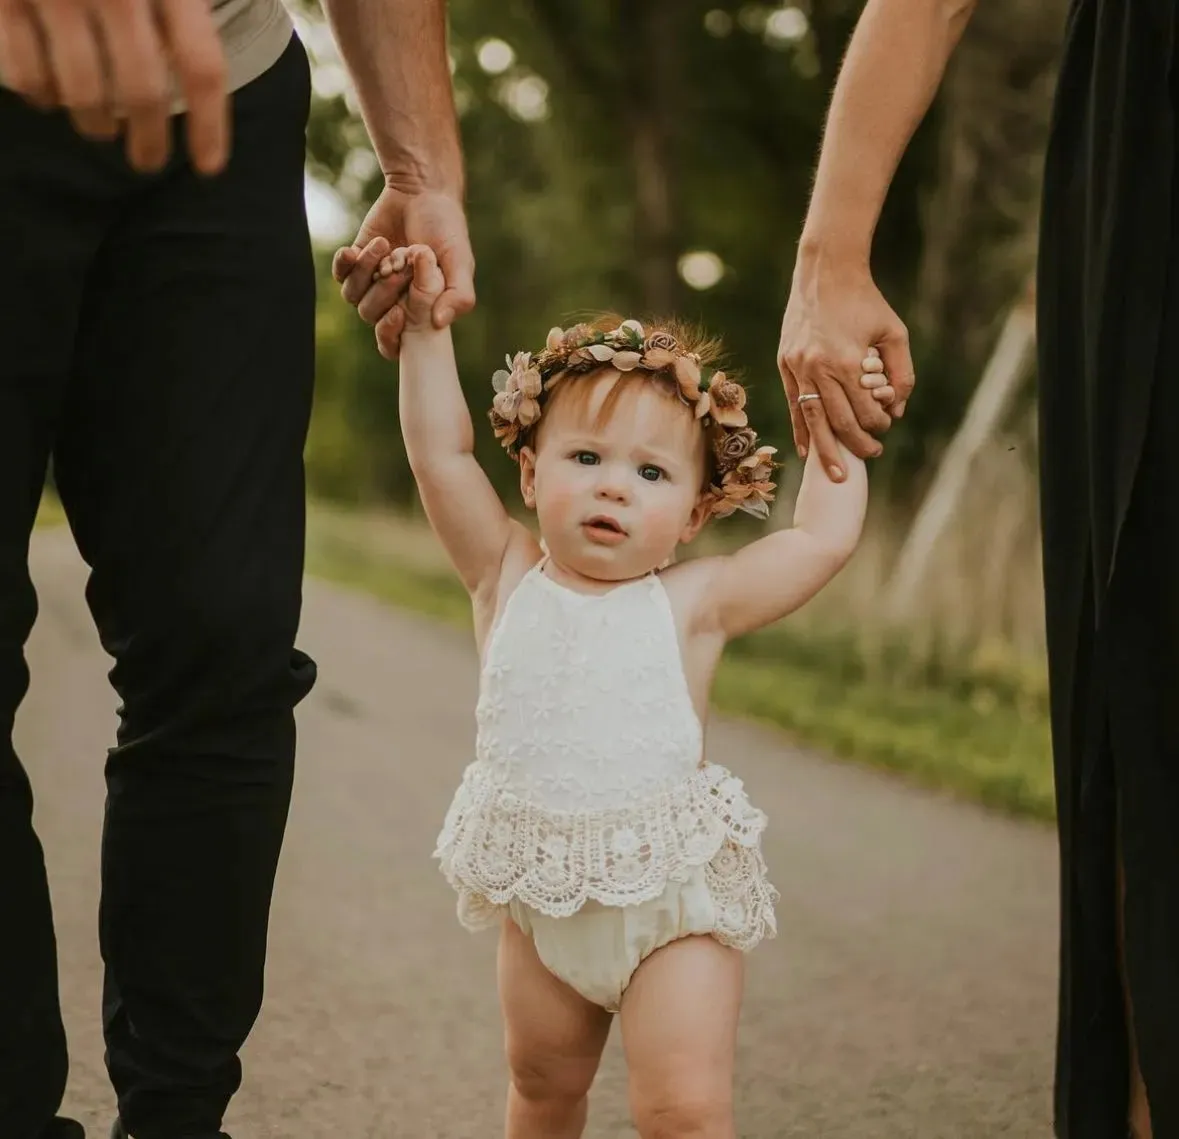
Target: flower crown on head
743, 478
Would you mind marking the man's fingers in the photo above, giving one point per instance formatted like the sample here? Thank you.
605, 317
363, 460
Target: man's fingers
898, 366
72, 46
195, 50
24, 62
383, 294
388, 331
343, 262
360, 276
139, 80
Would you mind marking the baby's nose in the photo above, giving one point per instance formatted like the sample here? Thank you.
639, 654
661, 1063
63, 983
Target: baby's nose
613, 489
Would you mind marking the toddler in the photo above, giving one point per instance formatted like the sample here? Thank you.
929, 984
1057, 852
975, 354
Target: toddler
623, 870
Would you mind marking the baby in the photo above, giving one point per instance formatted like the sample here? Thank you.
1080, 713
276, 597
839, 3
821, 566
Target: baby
623, 870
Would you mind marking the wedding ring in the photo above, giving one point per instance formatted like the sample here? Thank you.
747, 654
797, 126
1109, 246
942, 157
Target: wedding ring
808, 395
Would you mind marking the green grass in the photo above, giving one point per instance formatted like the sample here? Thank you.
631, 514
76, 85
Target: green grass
974, 732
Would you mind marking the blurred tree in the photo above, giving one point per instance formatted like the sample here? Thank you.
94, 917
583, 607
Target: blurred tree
656, 156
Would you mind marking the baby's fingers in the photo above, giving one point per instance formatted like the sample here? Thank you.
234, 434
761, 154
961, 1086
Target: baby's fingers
422, 262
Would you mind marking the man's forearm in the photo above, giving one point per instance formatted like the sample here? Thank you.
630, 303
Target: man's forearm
892, 70
395, 51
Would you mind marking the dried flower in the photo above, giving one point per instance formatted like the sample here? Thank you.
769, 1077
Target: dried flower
687, 376
728, 401
656, 359
733, 446
663, 341
745, 470
759, 466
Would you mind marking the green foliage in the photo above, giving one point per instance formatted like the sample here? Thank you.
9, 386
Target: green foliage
661, 137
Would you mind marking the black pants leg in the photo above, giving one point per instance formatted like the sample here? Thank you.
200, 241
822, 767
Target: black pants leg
56, 199
178, 456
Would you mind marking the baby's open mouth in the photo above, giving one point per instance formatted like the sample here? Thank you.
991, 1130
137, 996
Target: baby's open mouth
604, 524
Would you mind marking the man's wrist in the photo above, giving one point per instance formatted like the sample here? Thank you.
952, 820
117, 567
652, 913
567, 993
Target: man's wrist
414, 175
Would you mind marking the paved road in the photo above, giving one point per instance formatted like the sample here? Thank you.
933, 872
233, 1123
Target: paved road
909, 993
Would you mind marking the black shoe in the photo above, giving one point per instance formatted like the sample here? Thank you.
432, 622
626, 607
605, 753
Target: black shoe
61, 1128
118, 1131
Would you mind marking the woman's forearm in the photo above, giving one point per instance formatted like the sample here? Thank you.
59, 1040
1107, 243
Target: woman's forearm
891, 72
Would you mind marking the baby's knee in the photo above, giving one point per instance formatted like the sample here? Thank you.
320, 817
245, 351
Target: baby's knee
683, 1108
551, 1079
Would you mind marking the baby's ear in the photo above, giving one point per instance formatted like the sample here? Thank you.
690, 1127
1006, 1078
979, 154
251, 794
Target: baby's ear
528, 476
700, 514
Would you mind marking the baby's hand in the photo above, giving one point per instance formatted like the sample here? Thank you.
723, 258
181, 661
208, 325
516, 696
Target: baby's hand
874, 379
425, 287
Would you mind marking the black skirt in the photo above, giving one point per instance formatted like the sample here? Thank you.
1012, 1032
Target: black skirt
1108, 328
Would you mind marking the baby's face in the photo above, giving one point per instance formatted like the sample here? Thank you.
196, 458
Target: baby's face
614, 498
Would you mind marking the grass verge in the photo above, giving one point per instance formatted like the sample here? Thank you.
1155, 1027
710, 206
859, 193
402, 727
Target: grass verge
978, 735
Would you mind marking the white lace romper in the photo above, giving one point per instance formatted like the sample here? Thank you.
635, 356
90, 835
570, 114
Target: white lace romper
589, 795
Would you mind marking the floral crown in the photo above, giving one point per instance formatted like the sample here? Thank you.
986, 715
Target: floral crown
743, 470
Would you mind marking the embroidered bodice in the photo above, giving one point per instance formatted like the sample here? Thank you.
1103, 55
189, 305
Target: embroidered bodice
583, 702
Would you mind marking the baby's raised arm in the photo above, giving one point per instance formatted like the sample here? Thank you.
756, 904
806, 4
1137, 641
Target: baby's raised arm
459, 500
775, 575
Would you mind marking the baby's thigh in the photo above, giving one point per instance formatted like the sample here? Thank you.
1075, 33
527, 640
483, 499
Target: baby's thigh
679, 1030
553, 1036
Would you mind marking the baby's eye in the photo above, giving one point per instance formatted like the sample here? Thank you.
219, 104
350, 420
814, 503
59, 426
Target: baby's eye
585, 458
651, 473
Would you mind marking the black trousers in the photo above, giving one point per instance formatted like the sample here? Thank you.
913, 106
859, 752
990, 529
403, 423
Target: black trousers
156, 339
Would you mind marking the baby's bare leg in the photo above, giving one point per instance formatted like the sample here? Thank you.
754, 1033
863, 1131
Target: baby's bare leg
679, 1029
554, 1039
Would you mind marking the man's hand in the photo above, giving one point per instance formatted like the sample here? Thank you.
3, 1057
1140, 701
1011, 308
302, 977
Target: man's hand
106, 60
399, 219
832, 320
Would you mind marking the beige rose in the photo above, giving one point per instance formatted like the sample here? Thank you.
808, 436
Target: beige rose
660, 341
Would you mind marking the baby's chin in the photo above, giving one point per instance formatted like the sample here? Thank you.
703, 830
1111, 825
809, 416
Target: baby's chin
609, 564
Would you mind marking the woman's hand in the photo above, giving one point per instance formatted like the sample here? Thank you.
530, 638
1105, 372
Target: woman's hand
836, 322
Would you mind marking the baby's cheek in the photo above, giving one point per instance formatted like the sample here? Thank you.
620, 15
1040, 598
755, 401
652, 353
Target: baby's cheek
556, 499
664, 518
